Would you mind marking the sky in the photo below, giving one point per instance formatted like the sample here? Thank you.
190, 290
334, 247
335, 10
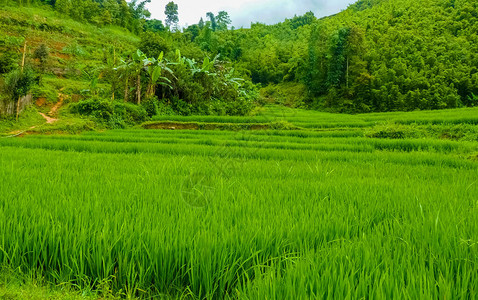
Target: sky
243, 12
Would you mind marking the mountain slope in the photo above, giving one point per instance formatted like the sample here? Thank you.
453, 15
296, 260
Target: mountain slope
374, 56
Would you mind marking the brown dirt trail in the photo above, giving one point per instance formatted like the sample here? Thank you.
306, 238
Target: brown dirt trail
49, 117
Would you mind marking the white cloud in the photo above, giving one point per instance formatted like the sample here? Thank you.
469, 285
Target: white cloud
243, 12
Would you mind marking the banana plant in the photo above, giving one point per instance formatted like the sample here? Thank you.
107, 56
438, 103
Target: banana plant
231, 80
93, 79
131, 68
139, 60
140, 64
206, 68
154, 68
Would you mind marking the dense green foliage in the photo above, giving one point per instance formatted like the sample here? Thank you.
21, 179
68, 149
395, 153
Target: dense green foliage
163, 79
115, 114
128, 14
375, 56
249, 215
281, 204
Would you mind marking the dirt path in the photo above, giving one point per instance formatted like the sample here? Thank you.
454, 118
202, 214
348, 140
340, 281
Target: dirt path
57, 106
49, 117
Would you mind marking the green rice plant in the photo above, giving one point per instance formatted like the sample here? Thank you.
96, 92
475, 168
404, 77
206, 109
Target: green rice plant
272, 214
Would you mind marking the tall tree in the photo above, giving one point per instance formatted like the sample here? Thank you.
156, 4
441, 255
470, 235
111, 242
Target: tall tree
212, 19
223, 20
201, 23
338, 58
172, 15
41, 54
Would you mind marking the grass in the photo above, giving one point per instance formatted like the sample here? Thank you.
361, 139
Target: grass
32, 286
322, 212
315, 120
35, 22
74, 48
29, 118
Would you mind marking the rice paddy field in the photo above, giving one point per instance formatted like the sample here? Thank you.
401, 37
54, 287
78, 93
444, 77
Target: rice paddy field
340, 207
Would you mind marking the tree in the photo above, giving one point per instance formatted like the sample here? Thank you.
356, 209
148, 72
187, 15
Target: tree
201, 23
63, 6
139, 10
193, 30
171, 13
299, 21
223, 20
41, 54
315, 73
18, 83
154, 68
137, 66
154, 26
338, 58
212, 19
7, 62
152, 44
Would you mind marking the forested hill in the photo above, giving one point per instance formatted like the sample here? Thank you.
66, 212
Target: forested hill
377, 55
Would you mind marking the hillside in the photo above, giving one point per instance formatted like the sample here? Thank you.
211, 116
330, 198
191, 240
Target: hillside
374, 56
76, 51
87, 62
73, 46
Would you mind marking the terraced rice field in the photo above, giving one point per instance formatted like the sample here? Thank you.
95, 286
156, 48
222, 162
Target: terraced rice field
324, 211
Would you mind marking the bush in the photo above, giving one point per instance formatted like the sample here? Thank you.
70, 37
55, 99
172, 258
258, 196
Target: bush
289, 94
181, 107
45, 91
75, 49
115, 114
152, 44
151, 105
392, 131
18, 83
131, 113
98, 108
7, 62
240, 107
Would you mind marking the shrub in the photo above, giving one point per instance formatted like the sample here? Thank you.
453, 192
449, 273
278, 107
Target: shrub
393, 131
18, 83
181, 107
151, 105
45, 91
131, 113
7, 62
98, 108
152, 44
115, 114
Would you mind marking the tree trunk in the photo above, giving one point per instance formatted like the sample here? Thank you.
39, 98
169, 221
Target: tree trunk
24, 53
148, 91
138, 89
151, 90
